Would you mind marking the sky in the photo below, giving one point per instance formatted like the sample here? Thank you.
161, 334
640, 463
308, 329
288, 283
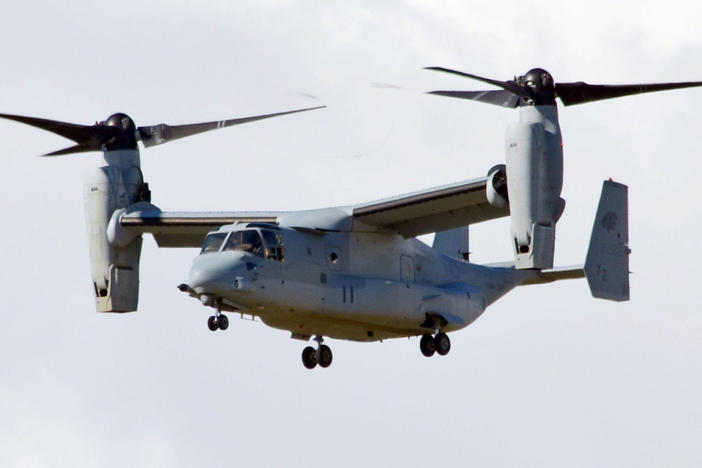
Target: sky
546, 377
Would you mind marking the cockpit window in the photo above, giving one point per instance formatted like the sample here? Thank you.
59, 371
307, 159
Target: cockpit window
247, 241
274, 244
213, 242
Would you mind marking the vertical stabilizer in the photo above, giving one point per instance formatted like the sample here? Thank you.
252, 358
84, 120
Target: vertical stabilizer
607, 262
453, 243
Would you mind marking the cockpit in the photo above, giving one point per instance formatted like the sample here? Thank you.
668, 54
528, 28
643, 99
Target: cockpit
262, 242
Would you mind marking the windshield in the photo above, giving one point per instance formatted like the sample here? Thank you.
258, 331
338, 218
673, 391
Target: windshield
213, 242
247, 241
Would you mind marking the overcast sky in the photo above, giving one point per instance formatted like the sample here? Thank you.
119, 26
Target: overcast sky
546, 377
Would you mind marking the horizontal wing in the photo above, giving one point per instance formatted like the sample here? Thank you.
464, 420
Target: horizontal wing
187, 229
432, 210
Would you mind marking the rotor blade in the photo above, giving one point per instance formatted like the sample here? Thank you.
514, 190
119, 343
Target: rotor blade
502, 98
162, 133
75, 132
580, 92
506, 85
71, 150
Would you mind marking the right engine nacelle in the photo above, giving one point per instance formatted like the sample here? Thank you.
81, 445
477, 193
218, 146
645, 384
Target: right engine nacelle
496, 188
535, 178
115, 269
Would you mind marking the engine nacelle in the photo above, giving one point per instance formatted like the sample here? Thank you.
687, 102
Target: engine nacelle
114, 266
496, 188
534, 159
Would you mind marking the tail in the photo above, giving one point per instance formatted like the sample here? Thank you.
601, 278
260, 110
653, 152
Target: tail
607, 262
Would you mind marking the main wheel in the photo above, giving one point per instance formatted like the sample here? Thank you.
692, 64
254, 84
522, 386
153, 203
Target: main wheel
427, 345
212, 323
223, 322
442, 343
309, 357
325, 356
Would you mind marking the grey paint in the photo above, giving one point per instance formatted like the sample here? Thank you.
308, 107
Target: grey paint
375, 285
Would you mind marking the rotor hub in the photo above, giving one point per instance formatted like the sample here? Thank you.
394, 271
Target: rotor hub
120, 132
540, 85
120, 121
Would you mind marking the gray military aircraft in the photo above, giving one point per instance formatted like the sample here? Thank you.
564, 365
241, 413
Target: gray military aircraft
358, 272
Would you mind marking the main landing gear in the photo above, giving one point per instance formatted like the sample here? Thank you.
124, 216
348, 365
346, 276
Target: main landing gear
322, 355
218, 321
439, 343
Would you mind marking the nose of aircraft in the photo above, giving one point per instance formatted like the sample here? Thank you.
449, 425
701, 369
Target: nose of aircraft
216, 273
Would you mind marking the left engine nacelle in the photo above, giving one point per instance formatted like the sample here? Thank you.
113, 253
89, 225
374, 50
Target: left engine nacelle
115, 268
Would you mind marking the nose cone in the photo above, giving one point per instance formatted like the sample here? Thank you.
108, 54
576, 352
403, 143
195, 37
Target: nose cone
216, 273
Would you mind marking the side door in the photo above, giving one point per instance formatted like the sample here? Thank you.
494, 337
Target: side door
406, 269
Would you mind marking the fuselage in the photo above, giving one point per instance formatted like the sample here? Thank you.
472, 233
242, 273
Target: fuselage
347, 285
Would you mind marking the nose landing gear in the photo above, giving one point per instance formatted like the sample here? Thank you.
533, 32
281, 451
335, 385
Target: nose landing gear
439, 343
322, 355
218, 321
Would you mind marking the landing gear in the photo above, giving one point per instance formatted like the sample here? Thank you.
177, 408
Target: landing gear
215, 323
322, 355
309, 357
218, 321
325, 356
223, 323
440, 343
427, 345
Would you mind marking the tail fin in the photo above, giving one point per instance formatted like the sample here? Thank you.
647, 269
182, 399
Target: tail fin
453, 242
607, 262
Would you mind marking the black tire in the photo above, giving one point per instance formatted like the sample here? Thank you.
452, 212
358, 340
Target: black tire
427, 345
309, 357
325, 356
223, 322
212, 323
442, 343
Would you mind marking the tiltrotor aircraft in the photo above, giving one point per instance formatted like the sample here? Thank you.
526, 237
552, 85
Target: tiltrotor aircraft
358, 272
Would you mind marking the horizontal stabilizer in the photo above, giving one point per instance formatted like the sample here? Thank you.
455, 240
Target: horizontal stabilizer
556, 274
607, 262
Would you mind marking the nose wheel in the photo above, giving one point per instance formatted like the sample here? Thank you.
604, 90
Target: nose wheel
322, 355
218, 321
215, 323
439, 343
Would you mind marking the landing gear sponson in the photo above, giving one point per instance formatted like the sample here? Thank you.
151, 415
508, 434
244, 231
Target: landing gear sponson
322, 355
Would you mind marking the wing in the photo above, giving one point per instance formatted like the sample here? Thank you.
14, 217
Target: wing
432, 210
186, 229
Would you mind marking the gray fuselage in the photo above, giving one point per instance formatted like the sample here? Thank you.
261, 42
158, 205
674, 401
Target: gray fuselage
347, 285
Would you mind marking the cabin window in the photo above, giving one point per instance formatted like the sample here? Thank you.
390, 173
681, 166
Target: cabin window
245, 241
274, 244
213, 242
334, 258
